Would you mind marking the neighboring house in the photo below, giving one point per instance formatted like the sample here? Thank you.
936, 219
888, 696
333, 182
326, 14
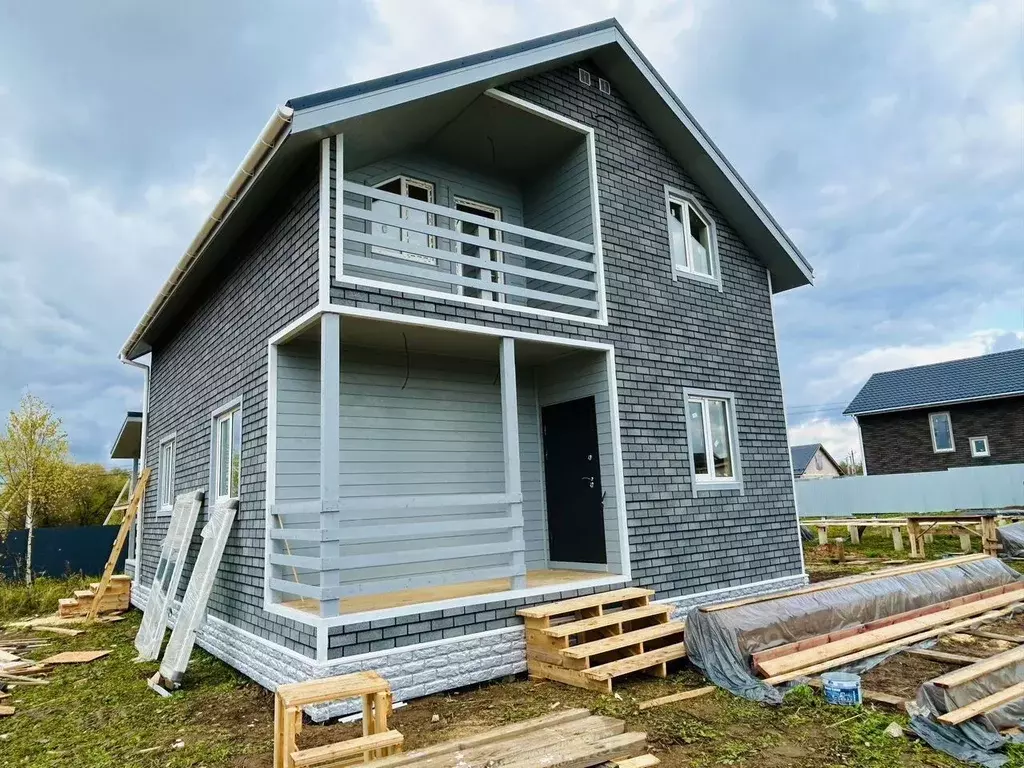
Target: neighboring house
813, 461
480, 335
963, 413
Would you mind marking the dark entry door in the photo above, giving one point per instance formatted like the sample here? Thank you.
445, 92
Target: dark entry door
572, 479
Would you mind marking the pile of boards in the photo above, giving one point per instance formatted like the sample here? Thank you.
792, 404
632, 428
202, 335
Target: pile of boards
16, 670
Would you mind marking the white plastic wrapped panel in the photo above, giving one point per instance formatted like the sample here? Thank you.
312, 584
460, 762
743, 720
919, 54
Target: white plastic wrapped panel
168, 574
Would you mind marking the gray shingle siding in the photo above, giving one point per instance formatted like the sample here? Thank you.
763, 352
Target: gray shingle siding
217, 353
668, 335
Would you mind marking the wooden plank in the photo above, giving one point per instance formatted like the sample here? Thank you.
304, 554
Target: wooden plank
122, 536
673, 698
608, 620
589, 601
811, 656
813, 642
331, 689
637, 636
559, 674
583, 755
643, 761
979, 668
332, 752
942, 656
636, 663
945, 629
75, 657
846, 581
983, 706
6, 711
59, 631
996, 636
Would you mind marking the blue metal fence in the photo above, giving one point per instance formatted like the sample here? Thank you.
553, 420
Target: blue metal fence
59, 551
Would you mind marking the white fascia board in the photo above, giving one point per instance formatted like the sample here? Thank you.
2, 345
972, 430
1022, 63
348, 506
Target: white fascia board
318, 117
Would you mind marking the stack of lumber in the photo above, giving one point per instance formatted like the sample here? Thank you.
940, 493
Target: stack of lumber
570, 739
975, 671
589, 641
818, 654
116, 597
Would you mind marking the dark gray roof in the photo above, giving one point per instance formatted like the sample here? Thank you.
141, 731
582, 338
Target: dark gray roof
802, 455
974, 378
356, 89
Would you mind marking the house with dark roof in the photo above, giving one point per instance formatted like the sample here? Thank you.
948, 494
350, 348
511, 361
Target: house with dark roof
473, 337
813, 461
961, 413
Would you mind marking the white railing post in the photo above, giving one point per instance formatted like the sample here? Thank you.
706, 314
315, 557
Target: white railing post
330, 454
513, 477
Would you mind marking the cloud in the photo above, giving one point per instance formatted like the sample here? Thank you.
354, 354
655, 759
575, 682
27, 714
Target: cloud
839, 436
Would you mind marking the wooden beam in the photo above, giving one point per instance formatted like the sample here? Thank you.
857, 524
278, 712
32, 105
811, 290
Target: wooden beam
942, 656
846, 581
895, 644
996, 636
673, 698
983, 706
980, 668
845, 646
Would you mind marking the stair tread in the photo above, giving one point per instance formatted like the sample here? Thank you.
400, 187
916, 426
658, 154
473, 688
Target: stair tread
636, 663
626, 639
608, 620
68, 601
581, 603
83, 593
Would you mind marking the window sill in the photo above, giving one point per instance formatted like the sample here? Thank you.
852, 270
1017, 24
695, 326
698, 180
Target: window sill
697, 276
165, 510
944, 450
718, 485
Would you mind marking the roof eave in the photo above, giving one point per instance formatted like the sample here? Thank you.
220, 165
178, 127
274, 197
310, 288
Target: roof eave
935, 404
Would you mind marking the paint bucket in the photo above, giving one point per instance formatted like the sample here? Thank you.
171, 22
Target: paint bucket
841, 688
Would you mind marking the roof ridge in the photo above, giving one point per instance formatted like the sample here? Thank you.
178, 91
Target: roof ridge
949, 362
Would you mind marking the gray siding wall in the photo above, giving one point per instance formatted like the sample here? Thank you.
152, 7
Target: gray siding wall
668, 335
298, 423
218, 352
583, 375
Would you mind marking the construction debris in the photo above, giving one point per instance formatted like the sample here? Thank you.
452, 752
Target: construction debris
115, 597
673, 698
75, 657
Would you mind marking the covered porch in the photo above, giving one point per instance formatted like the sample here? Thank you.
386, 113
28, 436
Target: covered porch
414, 465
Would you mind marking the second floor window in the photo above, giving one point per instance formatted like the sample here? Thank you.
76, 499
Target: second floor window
165, 484
942, 432
413, 189
691, 238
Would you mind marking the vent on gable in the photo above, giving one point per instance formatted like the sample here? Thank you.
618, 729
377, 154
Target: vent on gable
585, 77
605, 86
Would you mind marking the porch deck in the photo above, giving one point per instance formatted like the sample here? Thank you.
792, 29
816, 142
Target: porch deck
535, 578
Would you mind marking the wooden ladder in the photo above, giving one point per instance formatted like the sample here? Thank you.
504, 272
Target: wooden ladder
589, 641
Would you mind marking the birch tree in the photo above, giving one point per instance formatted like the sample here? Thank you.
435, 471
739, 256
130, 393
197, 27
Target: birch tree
33, 464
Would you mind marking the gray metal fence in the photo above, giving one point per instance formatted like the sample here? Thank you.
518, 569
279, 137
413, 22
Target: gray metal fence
989, 487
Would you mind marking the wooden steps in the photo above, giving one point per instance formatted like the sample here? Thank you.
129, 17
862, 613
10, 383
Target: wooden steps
116, 597
589, 641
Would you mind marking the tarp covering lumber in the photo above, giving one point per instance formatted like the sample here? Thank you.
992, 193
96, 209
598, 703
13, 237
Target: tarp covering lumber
721, 642
1012, 539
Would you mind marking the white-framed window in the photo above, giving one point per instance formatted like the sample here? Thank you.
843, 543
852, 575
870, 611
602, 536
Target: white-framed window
692, 237
414, 189
941, 427
979, 447
227, 450
485, 254
711, 433
165, 477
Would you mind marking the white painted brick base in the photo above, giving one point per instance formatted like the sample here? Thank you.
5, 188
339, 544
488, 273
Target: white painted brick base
416, 671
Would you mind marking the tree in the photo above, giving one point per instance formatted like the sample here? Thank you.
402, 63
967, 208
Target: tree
34, 467
850, 465
93, 492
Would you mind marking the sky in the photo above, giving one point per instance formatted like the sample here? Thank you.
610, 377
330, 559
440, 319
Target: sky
887, 137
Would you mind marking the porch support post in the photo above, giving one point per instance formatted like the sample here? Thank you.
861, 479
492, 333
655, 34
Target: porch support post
330, 451
513, 478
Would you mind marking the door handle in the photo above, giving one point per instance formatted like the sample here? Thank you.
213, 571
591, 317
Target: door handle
590, 480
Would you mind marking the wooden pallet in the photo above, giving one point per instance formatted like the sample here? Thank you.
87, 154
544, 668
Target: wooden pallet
589, 641
116, 597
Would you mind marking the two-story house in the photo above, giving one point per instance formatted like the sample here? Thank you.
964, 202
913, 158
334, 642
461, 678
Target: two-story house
475, 336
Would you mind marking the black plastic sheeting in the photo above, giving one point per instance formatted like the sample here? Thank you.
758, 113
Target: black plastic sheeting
978, 740
1012, 539
720, 643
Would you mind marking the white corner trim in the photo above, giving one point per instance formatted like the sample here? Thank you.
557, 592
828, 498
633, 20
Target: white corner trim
324, 221
536, 109
617, 463
270, 494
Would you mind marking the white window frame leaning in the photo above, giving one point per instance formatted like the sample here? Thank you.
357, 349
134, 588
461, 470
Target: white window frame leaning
706, 482
931, 430
165, 474
682, 263
234, 408
406, 182
979, 454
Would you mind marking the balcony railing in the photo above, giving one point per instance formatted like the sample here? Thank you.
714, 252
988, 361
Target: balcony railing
442, 251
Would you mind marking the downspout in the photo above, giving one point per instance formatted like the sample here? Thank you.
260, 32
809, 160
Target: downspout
137, 555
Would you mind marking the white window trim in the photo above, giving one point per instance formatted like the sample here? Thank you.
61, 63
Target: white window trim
702, 482
166, 509
469, 203
215, 418
409, 181
979, 454
931, 429
680, 197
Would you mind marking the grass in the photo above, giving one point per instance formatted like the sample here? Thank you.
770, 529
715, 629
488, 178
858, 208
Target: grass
18, 600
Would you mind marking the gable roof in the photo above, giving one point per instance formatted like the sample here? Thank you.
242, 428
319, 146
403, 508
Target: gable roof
1000, 374
802, 455
307, 119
